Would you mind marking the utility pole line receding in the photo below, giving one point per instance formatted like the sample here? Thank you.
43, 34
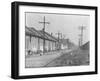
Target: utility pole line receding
59, 34
44, 23
81, 35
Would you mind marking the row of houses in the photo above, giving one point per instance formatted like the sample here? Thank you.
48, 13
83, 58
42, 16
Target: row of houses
38, 41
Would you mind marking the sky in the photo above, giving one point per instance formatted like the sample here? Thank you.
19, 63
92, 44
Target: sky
67, 24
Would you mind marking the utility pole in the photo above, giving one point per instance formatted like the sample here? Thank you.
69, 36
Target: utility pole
81, 35
79, 40
64, 36
44, 23
59, 34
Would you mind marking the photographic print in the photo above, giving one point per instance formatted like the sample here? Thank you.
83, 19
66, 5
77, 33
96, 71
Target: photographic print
50, 40
53, 40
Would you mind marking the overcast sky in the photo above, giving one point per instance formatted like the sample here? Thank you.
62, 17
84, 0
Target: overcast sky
66, 24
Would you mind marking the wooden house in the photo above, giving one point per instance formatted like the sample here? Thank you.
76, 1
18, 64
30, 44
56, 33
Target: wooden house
35, 39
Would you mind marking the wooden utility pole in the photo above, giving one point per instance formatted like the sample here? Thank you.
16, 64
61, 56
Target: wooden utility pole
81, 35
59, 34
79, 40
44, 23
64, 36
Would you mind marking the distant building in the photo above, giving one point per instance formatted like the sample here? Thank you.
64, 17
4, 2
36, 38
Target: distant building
63, 44
85, 46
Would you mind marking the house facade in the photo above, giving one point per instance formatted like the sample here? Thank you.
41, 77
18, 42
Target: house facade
35, 39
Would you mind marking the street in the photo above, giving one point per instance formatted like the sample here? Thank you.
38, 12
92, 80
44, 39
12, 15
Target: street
42, 60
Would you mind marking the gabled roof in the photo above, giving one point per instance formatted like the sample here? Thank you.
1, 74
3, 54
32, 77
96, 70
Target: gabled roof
34, 32
49, 36
28, 31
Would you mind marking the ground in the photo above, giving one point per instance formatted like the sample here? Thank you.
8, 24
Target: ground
65, 57
73, 58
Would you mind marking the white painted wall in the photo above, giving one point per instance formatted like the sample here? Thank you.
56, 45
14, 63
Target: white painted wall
5, 41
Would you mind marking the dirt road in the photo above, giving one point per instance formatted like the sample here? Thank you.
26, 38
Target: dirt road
39, 61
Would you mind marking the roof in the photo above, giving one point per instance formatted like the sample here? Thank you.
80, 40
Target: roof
85, 46
34, 32
49, 36
28, 31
